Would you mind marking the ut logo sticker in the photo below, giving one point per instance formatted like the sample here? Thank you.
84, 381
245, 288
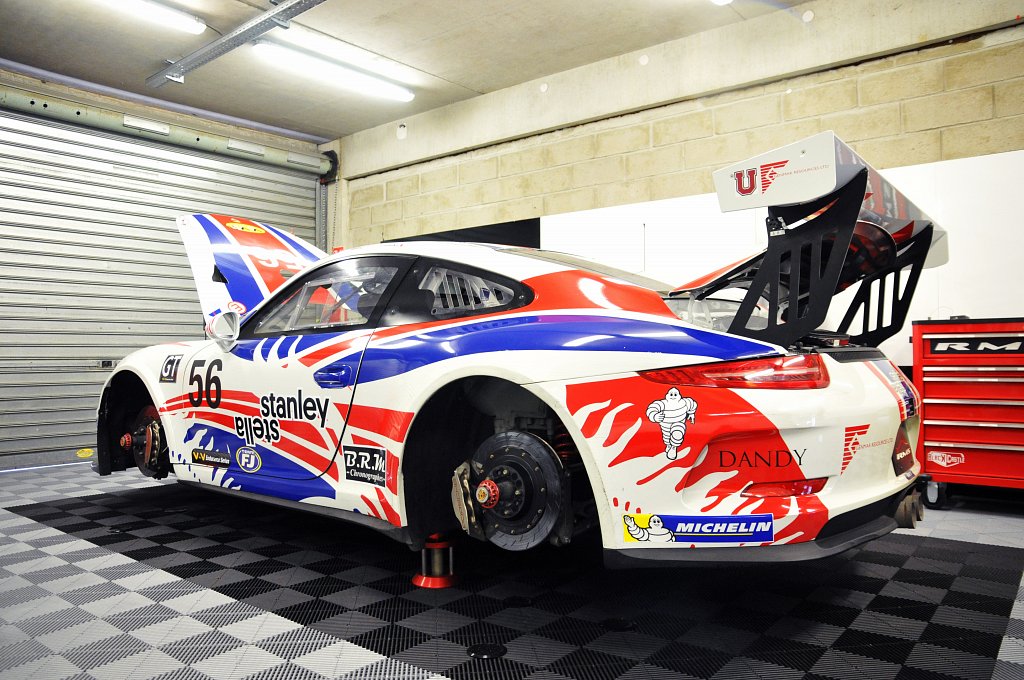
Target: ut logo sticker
746, 180
169, 371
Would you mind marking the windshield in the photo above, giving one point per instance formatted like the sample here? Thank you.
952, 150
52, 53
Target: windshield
595, 267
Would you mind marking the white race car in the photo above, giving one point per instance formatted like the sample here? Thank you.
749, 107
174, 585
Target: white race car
524, 396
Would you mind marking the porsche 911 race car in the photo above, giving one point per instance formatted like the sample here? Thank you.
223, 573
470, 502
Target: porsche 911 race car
523, 396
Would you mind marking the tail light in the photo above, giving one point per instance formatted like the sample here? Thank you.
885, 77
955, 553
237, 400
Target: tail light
799, 371
797, 487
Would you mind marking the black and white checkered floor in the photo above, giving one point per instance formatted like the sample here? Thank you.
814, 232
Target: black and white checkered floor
121, 577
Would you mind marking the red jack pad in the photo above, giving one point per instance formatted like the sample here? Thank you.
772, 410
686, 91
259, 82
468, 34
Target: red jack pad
435, 564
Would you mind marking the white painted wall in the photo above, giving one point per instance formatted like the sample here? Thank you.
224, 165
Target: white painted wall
979, 201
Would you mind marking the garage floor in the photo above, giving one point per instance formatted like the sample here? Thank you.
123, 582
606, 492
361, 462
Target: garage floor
122, 577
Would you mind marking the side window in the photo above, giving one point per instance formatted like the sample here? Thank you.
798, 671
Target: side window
457, 293
341, 295
445, 290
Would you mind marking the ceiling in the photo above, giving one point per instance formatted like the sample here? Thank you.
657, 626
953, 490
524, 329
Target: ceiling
446, 50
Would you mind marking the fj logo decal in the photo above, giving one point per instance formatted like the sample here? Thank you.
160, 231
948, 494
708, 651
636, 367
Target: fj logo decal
248, 459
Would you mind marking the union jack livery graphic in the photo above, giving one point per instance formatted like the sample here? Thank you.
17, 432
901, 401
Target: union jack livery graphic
523, 397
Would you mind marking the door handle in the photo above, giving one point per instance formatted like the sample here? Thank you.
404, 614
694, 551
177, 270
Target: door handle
335, 376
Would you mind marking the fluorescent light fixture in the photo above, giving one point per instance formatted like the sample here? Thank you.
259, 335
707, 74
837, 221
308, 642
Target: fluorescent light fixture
309, 65
721, 3
328, 47
156, 13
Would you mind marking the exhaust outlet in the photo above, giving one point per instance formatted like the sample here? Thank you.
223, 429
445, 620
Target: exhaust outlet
910, 510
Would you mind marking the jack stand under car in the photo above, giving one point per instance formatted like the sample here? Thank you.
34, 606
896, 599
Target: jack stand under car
436, 567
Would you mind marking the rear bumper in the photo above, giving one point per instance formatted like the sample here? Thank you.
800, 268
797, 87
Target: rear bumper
838, 535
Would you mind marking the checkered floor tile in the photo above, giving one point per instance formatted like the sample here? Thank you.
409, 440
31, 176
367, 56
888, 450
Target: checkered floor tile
122, 577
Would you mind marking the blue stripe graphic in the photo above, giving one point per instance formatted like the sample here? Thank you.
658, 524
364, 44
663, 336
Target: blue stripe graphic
299, 248
555, 332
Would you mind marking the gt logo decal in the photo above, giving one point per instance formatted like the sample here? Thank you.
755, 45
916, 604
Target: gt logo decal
169, 371
248, 459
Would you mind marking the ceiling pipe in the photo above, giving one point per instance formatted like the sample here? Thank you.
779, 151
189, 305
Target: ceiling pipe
145, 100
250, 30
68, 111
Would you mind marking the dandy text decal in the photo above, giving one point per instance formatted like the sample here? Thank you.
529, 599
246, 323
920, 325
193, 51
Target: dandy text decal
700, 529
778, 458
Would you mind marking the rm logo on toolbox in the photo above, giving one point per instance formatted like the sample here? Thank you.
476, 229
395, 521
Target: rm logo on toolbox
990, 345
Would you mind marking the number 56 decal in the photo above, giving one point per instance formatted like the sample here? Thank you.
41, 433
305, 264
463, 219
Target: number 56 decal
210, 387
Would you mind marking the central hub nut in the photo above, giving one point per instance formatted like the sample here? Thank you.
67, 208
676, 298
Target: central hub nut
487, 494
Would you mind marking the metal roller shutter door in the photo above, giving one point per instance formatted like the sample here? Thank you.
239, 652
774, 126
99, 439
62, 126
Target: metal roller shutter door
92, 266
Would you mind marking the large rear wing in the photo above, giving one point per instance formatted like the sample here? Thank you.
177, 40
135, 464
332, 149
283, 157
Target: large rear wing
833, 222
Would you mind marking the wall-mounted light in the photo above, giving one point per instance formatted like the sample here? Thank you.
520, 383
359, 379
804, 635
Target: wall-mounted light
156, 13
311, 65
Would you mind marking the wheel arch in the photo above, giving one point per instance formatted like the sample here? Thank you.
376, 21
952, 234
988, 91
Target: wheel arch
125, 392
432, 450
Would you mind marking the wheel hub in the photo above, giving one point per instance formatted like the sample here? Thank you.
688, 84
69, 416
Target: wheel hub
488, 494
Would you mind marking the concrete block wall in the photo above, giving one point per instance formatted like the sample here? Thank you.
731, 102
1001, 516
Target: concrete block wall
950, 101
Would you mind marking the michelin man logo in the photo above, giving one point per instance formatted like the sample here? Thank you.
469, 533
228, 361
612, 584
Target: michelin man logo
655, 530
671, 413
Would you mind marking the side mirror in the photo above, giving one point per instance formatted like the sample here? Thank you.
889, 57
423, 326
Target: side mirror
224, 328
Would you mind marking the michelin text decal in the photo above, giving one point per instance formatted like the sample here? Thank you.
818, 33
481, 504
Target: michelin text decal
706, 529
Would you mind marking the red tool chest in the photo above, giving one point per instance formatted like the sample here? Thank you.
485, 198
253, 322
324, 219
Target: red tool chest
970, 373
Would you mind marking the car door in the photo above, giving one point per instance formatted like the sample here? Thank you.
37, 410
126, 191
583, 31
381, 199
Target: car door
271, 412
